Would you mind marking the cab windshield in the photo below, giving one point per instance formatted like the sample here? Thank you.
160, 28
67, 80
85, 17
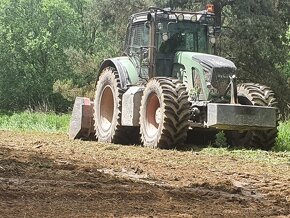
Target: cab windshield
182, 36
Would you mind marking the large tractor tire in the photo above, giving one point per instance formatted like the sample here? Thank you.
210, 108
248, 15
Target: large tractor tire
107, 106
258, 95
164, 113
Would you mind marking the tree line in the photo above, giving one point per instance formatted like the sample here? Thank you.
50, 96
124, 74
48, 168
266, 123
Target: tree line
50, 50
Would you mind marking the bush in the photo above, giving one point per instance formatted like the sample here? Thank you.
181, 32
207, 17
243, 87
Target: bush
221, 140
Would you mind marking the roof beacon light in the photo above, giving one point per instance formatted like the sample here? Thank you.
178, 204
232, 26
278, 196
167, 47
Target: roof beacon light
210, 8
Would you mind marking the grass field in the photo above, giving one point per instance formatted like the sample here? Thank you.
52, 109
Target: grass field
51, 122
39, 122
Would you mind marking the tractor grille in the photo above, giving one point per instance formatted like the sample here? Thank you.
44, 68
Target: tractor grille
217, 71
217, 76
221, 79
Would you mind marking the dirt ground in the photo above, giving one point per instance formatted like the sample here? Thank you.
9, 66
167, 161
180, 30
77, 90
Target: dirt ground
47, 175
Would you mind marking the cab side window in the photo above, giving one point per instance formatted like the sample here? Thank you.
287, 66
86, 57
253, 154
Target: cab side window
139, 37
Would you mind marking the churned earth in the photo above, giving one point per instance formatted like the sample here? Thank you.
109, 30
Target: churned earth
47, 175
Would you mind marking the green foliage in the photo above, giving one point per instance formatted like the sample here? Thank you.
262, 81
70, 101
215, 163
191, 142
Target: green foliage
283, 139
33, 36
287, 66
51, 49
258, 44
103, 25
38, 122
221, 140
257, 34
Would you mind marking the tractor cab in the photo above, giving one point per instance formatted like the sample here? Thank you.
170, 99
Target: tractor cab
154, 37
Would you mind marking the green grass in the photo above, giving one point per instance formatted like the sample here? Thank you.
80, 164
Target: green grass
39, 122
51, 122
273, 157
283, 139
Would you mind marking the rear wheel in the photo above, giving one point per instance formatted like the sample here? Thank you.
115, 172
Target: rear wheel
164, 113
259, 95
107, 106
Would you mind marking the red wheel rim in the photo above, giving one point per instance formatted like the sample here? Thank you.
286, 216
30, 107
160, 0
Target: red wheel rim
152, 115
106, 108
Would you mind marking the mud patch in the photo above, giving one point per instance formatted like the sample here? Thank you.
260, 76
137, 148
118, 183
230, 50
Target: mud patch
93, 181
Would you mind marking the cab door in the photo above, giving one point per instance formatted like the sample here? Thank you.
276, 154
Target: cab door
138, 48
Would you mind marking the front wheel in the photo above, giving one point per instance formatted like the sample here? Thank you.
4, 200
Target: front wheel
258, 95
164, 113
107, 106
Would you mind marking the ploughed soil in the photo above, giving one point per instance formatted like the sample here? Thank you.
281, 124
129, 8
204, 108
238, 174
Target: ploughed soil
47, 175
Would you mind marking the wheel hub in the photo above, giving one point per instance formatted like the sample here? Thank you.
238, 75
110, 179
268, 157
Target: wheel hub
153, 115
106, 109
158, 115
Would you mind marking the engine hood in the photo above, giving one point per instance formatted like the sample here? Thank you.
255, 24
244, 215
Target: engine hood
212, 61
214, 71
217, 71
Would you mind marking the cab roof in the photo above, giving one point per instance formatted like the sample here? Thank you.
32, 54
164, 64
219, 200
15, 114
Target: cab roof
167, 13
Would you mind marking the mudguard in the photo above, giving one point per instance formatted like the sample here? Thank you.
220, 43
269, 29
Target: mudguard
126, 70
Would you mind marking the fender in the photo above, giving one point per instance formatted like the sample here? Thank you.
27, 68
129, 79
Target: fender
127, 72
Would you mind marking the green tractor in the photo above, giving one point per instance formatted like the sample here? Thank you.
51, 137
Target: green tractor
168, 81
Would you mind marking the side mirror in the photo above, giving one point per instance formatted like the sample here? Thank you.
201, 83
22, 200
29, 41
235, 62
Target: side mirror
147, 24
149, 17
144, 54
